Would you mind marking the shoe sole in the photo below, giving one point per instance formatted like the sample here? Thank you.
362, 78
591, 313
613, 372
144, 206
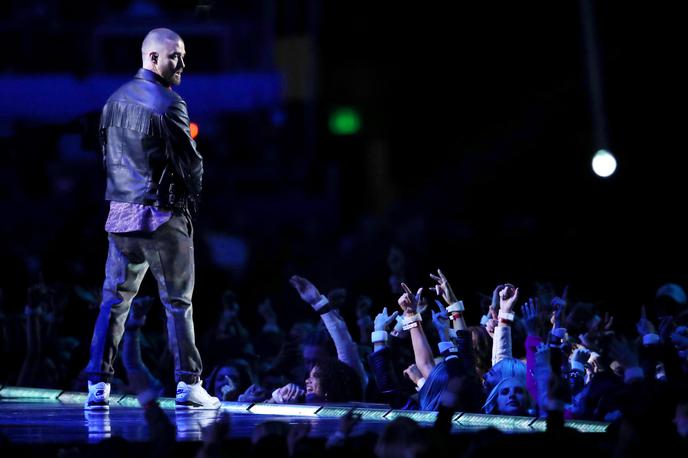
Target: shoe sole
97, 407
194, 406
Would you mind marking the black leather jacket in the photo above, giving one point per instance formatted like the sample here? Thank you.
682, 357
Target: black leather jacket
148, 152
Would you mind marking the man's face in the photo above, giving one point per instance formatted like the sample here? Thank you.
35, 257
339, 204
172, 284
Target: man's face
171, 61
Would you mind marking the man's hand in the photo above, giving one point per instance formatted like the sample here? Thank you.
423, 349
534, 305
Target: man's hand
306, 289
383, 321
443, 288
408, 302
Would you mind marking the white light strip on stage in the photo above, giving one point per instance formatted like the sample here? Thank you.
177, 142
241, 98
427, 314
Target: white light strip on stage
285, 409
239, 407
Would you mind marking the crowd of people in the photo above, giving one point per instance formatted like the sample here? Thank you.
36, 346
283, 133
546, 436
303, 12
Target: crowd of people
538, 354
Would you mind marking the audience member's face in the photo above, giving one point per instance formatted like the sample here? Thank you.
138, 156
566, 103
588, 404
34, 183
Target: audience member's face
171, 61
313, 387
511, 399
312, 354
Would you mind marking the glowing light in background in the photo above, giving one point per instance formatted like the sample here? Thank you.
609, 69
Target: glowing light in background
194, 130
603, 163
344, 121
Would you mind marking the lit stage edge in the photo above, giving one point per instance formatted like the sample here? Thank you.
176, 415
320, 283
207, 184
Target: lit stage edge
463, 420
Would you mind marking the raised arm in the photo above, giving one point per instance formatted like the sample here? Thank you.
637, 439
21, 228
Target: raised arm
455, 306
412, 323
347, 350
501, 346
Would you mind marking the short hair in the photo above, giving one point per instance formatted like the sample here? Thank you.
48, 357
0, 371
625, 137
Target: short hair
157, 36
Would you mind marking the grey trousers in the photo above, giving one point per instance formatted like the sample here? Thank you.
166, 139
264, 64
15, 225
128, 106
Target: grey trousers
169, 253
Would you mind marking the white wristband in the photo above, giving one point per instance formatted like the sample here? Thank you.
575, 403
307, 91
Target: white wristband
447, 346
421, 382
506, 316
456, 307
378, 336
484, 320
412, 318
321, 303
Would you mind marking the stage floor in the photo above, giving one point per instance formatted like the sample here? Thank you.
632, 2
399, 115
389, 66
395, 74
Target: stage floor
33, 416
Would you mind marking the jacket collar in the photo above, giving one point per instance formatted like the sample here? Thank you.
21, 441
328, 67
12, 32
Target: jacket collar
153, 77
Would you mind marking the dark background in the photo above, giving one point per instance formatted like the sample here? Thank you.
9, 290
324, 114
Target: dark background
474, 152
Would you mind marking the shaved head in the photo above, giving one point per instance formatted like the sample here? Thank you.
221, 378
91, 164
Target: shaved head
156, 39
162, 52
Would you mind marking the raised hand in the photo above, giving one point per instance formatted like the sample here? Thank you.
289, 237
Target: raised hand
383, 321
306, 289
408, 301
495, 296
443, 288
532, 317
644, 326
441, 321
507, 298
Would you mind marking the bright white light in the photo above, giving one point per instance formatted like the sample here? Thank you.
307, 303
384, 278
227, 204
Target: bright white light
603, 163
285, 409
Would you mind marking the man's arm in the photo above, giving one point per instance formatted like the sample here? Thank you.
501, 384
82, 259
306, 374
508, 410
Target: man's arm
186, 159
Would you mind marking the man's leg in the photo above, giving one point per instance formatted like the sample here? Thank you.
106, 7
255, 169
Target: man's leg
124, 271
171, 258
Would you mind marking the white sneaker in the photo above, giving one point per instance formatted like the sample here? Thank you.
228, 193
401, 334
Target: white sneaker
195, 397
98, 396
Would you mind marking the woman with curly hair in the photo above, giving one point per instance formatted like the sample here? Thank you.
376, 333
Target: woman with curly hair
330, 380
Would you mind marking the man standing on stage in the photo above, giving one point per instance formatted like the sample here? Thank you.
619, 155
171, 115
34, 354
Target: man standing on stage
153, 181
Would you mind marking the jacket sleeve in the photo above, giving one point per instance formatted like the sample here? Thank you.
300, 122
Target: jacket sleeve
380, 363
185, 158
501, 344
